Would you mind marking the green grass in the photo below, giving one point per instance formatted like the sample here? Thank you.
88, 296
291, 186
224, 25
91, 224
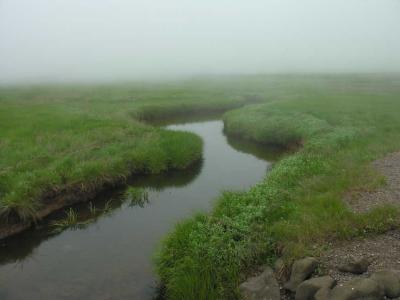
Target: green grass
136, 196
60, 138
70, 221
55, 152
56, 139
342, 124
78, 219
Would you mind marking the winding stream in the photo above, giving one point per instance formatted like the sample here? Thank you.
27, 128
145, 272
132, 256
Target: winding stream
111, 258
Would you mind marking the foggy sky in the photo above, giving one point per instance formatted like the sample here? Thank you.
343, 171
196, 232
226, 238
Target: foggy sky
89, 40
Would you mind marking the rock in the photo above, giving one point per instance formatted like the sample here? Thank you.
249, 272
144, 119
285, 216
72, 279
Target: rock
389, 280
364, 288
262, 287
355, 266
279, 265
323, 294
307, 289
301, 270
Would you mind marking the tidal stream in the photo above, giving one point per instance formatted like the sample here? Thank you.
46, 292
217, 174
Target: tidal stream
111, 257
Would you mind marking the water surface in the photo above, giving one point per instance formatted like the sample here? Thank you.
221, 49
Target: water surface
111, 258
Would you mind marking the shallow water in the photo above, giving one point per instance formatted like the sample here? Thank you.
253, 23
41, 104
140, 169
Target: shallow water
111, 258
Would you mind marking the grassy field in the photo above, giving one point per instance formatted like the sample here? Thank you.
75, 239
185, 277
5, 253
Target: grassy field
339, 124
58, 138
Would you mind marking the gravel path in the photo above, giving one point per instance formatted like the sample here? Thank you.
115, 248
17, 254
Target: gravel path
389, 167
383, 251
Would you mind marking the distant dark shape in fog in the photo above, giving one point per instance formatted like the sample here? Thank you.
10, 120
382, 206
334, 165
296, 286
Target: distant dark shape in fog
101, 40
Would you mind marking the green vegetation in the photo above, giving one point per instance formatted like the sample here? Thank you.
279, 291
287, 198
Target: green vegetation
71, 139
44, 152
70, 221
60, 139
75, 220
342, 124
136, 196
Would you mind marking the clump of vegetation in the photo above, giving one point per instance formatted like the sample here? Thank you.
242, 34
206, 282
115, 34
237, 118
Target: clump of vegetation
92, 209
342, 128
107, 208
70, 221
74, 221
273, 126
24, 208
136, 196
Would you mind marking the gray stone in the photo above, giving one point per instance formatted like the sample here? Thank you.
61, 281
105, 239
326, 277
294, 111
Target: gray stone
358, 289
323, 294
390, 281
307, 289
262, 287
301, 270
355, 266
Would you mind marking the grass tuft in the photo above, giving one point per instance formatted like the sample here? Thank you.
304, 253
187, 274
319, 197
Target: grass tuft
136, 196
70, 221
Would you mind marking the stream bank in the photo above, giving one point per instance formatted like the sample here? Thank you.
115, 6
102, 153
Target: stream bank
111, 257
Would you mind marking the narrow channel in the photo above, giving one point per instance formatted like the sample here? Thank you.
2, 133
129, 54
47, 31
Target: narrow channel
111, 257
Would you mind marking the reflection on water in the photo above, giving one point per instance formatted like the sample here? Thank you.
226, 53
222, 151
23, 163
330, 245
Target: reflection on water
111, 257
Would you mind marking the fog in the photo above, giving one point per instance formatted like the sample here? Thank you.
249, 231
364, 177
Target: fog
105, 40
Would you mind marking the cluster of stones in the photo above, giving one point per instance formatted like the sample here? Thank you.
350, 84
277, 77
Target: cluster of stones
381, 284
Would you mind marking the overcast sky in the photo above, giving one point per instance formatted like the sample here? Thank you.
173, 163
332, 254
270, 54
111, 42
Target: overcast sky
81, 40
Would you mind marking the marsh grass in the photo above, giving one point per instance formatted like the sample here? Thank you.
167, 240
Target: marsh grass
74, 221
342, 124
70, 221
136, 196
57, 139
60, 139
92, 209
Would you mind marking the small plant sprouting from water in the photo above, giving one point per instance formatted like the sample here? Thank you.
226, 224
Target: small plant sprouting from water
70, 221
95, 212
92, 209
137, 196
107, 208
134, 196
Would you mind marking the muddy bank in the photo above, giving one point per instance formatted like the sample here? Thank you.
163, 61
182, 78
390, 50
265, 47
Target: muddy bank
67, 196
